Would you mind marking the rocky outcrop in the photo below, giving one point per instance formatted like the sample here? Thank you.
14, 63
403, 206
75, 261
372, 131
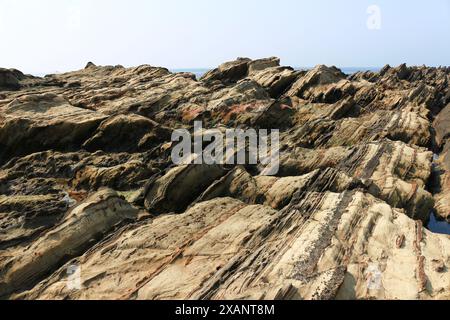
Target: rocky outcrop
442, 195
228, 72
39, 122
391, 171
87, 181
442, 165
321, 246
275, 79
168, 193
322, 84
442, 126
127, 133
93, 218
10, 79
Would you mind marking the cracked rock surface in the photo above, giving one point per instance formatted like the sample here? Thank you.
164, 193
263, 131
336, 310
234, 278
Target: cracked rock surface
87, 180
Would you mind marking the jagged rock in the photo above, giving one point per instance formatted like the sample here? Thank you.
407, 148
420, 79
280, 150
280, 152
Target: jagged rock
279, 114
261, 64
320, 246
51, 172
37, 190
316, 82
228, 72
241, 104
384, 70
275, 79
319, 129
276, 192
9, 79
442, 166
127, 133
23, 267
402, 72
342, 219
442, 126
391, 171
169, 193
22, 217
90, 65
122, 176
43, 121
233, 71
442, 196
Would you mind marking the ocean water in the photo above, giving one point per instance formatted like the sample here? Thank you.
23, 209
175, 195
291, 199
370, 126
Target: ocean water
353, 70
199, 72
437, 226
350, 70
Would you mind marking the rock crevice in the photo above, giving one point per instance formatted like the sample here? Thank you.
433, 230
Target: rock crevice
87, 180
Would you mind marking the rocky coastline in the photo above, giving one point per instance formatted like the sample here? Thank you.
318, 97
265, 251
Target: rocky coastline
86, 180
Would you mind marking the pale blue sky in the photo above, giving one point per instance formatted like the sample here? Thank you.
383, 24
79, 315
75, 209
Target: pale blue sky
40, 36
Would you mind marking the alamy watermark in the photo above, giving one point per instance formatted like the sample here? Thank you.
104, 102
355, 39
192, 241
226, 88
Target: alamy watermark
228, 147
74, 18
374, 19
374, 277
73, 273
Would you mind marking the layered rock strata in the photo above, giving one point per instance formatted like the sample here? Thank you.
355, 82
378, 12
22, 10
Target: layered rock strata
87, 181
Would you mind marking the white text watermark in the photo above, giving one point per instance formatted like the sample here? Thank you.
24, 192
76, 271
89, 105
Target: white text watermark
228, 147
374, 20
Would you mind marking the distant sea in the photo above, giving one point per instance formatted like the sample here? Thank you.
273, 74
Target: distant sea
199, 72
437, 226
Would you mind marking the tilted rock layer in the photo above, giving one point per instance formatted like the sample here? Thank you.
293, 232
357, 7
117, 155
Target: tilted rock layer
92, 206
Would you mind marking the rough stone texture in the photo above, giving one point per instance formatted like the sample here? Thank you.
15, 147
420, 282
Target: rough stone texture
10, 79
442, 126
127, 133
39, 122
392, 171
323, 245
442, 167
443, 194
96, 216
364, 161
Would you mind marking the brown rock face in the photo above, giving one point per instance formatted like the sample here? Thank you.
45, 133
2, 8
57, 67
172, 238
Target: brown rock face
38, 122
96, 216
87, 182
442, 166
10, 79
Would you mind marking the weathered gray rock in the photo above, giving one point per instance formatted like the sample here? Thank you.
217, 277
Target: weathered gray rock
442, 126
40, 122
9, 79
262, 64
127, 133
343, 218
180, 186
315, 82
228, 72
95, 217
275, 79
442, 166
320, 246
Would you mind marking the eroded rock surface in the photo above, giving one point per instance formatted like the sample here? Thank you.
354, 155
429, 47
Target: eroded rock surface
87, 180
79, 229
442, 165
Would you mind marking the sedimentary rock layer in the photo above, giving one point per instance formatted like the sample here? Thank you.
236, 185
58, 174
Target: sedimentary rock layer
87, 181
